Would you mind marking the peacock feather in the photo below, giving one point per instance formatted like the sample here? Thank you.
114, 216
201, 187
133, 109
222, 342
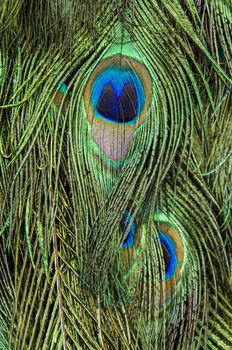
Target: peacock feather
115, 174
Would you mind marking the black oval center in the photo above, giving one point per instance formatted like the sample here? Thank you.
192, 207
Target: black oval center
122, 109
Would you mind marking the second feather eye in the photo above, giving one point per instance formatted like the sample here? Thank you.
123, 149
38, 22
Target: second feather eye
170, 251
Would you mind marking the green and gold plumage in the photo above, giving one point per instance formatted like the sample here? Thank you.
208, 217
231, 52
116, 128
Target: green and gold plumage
115, 174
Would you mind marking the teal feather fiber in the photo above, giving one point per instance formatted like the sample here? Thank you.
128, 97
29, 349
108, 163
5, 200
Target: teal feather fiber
115, 174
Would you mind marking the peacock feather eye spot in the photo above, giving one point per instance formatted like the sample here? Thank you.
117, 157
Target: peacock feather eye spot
128, 223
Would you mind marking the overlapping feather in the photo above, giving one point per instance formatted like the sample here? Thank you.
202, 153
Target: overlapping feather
63, 276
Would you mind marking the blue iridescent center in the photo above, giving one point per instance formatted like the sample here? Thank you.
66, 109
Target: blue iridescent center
169, 248
117, 95
128, 220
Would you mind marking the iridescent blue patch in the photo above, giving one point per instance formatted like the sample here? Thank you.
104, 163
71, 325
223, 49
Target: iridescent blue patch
128, 220
63, 88
171, 249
